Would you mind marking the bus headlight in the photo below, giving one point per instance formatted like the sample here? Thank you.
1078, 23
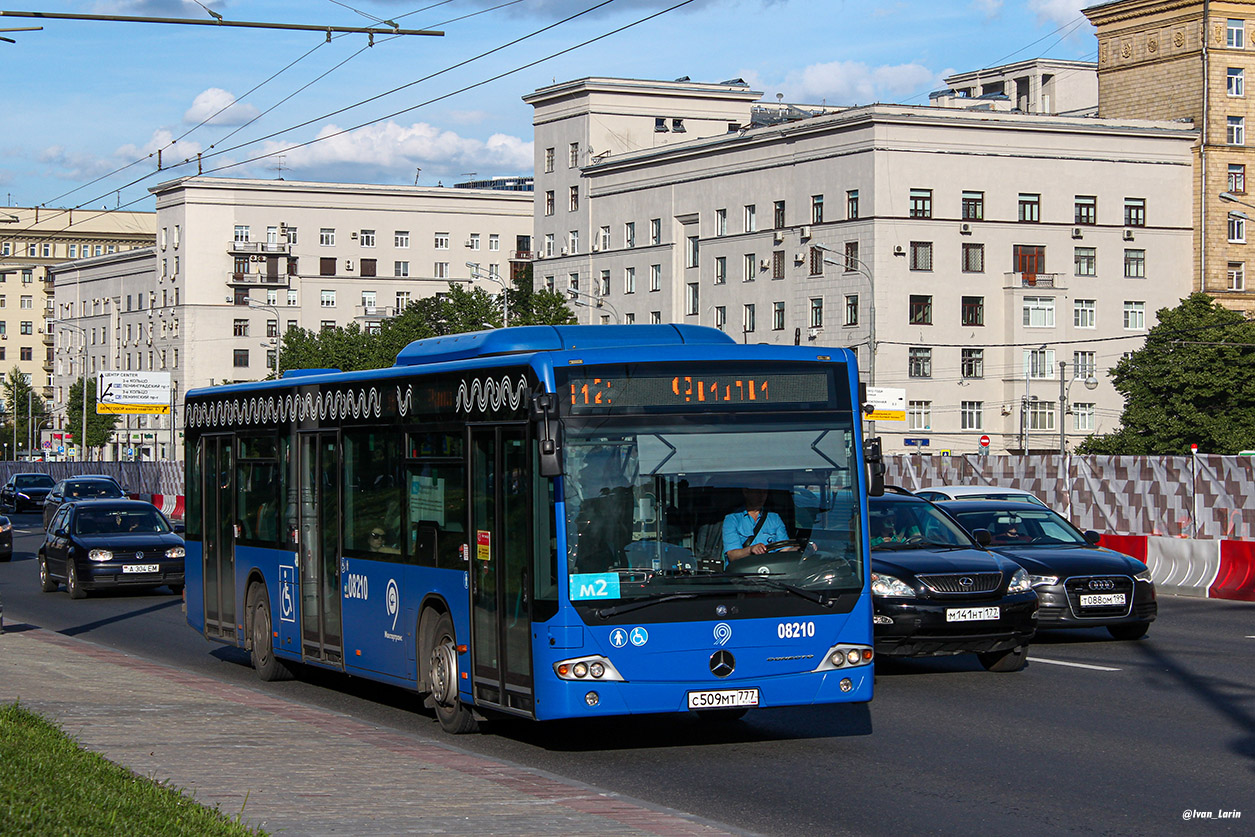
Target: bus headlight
845, 655
592, 667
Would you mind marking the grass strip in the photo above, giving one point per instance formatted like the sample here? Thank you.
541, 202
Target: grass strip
49, 785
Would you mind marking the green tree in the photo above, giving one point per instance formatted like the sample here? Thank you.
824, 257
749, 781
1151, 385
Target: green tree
99, 427
1190, 383
20, 401
537, 307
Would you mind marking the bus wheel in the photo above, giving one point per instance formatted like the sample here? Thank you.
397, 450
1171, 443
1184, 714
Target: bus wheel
443, 679
269, 667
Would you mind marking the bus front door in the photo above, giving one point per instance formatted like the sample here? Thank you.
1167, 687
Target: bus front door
501, 560
321, 634
219, 535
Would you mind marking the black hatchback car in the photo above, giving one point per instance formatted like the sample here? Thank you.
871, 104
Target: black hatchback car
1080, 584
80, 488
110, 543
26, 491
936, 591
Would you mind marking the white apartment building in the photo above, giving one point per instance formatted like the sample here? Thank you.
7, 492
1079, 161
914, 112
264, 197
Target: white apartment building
239, 262
988, 253
1038, 85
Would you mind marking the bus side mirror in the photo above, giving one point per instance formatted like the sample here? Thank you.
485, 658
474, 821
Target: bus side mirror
544, 413
875, 464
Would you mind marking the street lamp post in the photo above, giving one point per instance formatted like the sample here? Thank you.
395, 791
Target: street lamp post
860, 267
597, 302
505, 291
82, 442
1091, 383
261, 306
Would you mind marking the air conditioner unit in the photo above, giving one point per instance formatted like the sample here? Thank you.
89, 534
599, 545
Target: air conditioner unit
468, 244
764, 264
1128, 235
353, 236
965, 229
798, 258
1076, 232
897, 250
348, 264
596, 247
813, 333
806, 232
564, 251
540, 254
778, 236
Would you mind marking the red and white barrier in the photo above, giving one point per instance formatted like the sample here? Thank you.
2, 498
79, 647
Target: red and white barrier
1213, 569
171, 505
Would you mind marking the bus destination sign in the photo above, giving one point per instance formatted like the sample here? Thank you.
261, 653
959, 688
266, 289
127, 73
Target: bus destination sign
742, 388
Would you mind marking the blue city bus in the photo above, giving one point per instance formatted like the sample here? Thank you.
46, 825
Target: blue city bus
530, 522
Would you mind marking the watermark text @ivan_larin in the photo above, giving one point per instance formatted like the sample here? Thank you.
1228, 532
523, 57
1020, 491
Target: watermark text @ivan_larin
1192, 814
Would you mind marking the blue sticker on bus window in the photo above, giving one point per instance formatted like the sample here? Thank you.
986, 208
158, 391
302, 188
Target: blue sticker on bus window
594, 586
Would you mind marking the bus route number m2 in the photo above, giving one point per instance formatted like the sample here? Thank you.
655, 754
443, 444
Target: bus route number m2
795, 630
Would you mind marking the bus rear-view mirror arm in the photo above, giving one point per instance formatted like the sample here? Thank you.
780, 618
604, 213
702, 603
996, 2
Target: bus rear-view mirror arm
544, 409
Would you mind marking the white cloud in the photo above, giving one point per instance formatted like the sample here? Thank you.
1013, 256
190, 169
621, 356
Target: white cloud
1059, 12
853, 82
218, 107
988, 8
78, 166
469, 117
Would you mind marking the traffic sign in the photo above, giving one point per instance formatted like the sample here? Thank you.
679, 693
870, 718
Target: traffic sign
923, 443
1193, 448
47, 445
984, 441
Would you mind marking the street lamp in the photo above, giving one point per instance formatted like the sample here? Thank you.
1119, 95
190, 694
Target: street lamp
505, 292
1091, 383
597, 302
82, 442
859, 266
261, 306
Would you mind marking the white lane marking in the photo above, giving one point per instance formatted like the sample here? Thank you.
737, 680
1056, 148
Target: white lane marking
1072, 665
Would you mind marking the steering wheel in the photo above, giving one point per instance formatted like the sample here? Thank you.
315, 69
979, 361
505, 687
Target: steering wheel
778, 546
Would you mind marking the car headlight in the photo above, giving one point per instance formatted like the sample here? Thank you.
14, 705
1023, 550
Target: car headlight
1144, 575
591, 668
887, 585
1043, 580
100, 555
175, 552
5, 526
1020, 582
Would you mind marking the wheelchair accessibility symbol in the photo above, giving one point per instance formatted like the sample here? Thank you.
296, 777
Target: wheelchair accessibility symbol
639, 636
618, 638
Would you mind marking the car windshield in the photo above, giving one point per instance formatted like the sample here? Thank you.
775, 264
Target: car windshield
119, 522
85, 490
33, 481
1022, 527
912, 524
653, 505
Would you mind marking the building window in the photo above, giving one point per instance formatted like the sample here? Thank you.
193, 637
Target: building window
747, 318
655, 317
721, 316
1135, 212
1135, 263
549, 245
240, 359
327, 237
973, 258
817, 209
574, 199
817, 261
1237, 178
851, 256
629, 280
1084, 365
603, 238
603, 283
1236, 130
851, 309
921, 255
973, 206
972, 311
817, 312
327, 299
748, 264
1039, 363
921, 203
369, 267
27, 327
573, 281
1235, 34
972, 363
777, 215
919, 362
1030, 208
401, 269
367, 238
573, 242
272, 328
1235, 82
920, 309
1085, 260
327, 266
721, 222
692, 251
691, 299
971, 415
241, 234
1086, 210
1085, 313
26, 301
1029, 258
573, 155
655, 231
919, 415
239, 328
721, 270
549, 155
851, 204
1039, 311
777, 264
629, 234
1237, 228
442, 241
400, 238
751, 218
494, 241
1237, 276
1134, 316
549, 202
1041, 416
1082, 415
292, 298
655, 277
777, 316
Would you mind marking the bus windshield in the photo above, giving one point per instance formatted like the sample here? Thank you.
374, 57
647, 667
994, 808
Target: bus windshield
654, 507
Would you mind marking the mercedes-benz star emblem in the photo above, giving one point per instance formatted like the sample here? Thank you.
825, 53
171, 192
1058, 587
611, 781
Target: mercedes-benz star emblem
722, 663
966, 581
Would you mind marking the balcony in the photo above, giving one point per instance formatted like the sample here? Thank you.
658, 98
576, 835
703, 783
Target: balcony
522, 255
250, 280
374, 313
1034, 280
261, 247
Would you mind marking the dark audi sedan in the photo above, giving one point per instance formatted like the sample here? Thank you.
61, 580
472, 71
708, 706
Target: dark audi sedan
80, 488
1080, 584
110, 543
937, 591
26, 491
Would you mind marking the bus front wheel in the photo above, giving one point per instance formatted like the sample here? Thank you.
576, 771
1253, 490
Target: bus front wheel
269, 668
443, 680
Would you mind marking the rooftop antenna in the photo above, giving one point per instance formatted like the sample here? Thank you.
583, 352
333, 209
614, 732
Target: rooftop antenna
417, 172
279, 167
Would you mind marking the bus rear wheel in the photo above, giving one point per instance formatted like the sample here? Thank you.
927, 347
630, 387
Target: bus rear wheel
442, 657
269, 667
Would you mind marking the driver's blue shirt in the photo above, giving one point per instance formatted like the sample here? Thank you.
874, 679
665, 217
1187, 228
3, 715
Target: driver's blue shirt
738, 526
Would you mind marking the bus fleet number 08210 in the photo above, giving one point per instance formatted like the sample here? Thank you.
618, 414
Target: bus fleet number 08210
795, 630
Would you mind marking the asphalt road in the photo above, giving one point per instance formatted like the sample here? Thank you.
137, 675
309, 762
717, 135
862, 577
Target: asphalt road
1094, 737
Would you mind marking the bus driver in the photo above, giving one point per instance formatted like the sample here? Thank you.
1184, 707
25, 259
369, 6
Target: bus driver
748, 532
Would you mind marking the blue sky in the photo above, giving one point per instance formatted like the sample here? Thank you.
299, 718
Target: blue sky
83, 100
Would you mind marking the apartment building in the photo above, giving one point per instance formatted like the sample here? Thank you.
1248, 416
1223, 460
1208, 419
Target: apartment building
972, 258
1188, 61
1038, 85
33, 240
236, 263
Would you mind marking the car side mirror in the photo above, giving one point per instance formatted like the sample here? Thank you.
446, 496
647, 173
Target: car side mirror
982, 537
179, 527
1092, 538
61, 533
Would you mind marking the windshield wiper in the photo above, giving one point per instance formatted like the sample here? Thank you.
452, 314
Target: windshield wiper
628, 608
818, 598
